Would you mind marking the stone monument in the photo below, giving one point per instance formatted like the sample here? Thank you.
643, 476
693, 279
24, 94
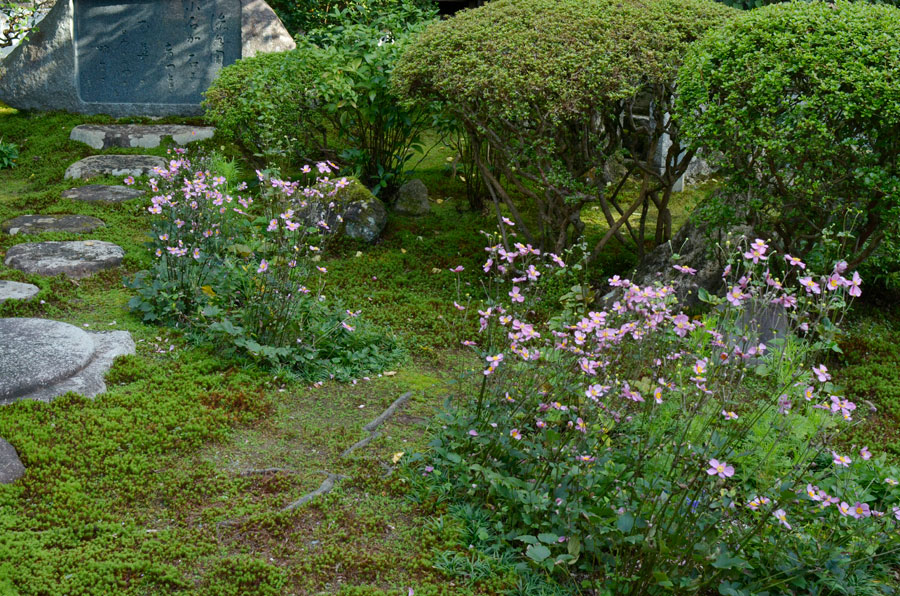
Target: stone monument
135, 57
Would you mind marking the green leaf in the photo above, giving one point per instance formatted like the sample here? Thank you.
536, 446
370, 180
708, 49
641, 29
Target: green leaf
547, 538
625, 523
537, 552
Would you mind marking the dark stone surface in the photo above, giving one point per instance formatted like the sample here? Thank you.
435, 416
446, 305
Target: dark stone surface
412, 199
698, 247
104, 136
37, 224
42, 359
75, 259
135, 51
114, 165
135, 57
14, 290
354, 211
102, 193
11, 468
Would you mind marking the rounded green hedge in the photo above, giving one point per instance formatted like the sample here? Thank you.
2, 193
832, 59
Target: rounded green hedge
562, 56
267, 104
803, 102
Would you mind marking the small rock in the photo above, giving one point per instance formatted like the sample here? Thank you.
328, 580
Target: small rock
114, 165
37, 224
75, 259
13, 290
102, 193
412, 199
104, 136
11, 468
363, 214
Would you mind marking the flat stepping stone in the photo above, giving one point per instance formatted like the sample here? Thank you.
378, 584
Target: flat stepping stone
14, 290
11, 468
75, 259
38, 224
114, 165
104, 136
102, 193
42, 359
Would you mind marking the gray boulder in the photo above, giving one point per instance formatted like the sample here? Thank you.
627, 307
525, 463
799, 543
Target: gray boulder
75, 259
102, 193
14, 290
38, 224
354, 212
412, 199
11, 468
42, 359
697, 246
114, 165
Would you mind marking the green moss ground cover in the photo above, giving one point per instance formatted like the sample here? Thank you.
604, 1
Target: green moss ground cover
155, 486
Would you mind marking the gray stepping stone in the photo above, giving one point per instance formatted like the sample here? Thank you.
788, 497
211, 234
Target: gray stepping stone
104, 136
42, 359
14, 290
11, 468
37, 224
114, 165
75, 259
102, 193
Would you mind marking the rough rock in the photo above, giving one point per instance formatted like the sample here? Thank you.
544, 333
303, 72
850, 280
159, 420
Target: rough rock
75, 259
102, 193
114, 165
104, 136
11, 468
14, 290
38, 224
356, 212
698, 247
42, 359
412, 199
129, 58
262, 31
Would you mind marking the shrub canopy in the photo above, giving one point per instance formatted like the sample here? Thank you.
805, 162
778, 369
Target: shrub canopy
803, 101
550, 86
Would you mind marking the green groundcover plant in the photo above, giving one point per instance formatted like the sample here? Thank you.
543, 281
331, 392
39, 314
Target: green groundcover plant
245, 272
802, 101
643, 451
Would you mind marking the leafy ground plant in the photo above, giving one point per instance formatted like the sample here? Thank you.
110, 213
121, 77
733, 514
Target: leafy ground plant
245, 271
643, 451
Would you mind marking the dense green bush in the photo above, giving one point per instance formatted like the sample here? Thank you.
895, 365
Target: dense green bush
303, 16
268, 105
559, 91
357, 56
646, 452
803, 102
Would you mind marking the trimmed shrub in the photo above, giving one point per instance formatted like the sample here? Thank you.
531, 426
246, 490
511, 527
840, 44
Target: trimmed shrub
803, 102
558, 90
308, 15
268, 105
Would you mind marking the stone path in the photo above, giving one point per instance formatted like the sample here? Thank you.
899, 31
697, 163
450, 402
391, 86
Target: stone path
114, 165
102, 193
14, 290
38, 224
42, 359
75, 259
104, 136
